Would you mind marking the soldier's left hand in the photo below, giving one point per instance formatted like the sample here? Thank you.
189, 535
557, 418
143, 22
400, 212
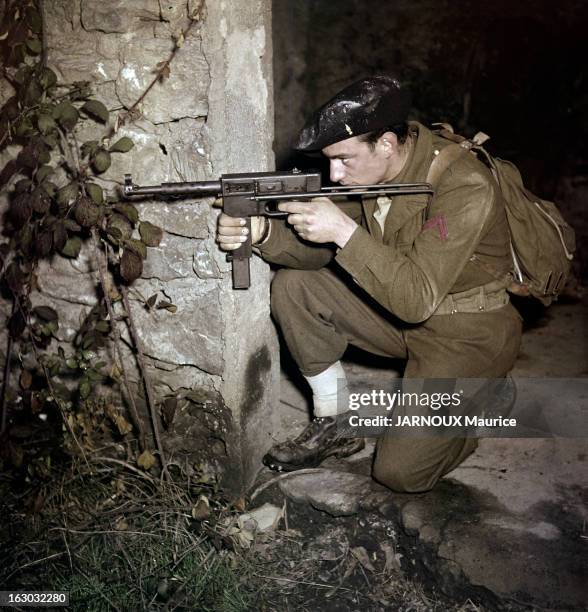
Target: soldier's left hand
319, 220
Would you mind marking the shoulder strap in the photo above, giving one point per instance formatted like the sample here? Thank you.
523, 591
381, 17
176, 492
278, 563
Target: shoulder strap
443, 159
446, 156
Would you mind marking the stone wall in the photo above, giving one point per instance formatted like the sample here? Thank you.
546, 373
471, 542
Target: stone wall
214, 114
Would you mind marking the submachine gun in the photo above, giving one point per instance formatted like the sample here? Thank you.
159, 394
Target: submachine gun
258, 194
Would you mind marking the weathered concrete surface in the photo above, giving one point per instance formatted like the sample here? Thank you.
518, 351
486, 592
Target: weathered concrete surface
239, 129
510, 523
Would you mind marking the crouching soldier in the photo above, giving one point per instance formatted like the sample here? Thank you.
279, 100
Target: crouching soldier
403, 277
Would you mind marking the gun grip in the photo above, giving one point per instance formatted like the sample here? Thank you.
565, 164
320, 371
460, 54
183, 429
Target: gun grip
239, 259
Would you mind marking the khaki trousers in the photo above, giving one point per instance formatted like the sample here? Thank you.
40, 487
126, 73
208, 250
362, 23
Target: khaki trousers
320, 313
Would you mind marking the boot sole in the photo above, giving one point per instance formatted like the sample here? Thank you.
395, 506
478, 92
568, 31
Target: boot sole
354, 446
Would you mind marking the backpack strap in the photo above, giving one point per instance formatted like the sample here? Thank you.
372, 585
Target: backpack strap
443, 159
446, 156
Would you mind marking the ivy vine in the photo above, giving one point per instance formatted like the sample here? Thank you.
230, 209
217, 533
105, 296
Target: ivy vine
56, 205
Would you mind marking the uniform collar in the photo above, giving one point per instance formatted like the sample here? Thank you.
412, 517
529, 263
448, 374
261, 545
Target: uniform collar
415, 170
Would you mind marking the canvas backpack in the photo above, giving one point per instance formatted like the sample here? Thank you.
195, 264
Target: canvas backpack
542, 243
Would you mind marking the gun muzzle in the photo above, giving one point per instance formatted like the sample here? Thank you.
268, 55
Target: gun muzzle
196, 188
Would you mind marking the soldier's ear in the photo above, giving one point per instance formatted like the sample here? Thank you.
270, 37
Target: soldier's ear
389, 142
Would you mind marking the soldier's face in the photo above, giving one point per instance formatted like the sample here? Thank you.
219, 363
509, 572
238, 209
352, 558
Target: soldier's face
353, 162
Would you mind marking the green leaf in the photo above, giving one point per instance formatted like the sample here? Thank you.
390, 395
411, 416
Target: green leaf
72, 247
40, 201
71, 363
46, 123
114, 235
33, 93
48, 78
22, 185
44, 243
89, 148
131, 266
95, 192
19, 53
96, 110
50, 328
16, 324
151, 235
22, 74
85, 389
14, 277
50, 140
87, 212
66, 114
34, 46
44, 156
122, 224
21, 210
33, 154
43, 172
24, 127
124, 145
67, 194
59, 236
95, 376
102, 326
89, 341
46, 313
71, 225
101, 161
11, 109
80, 91
129, 211
35, 21
137, 247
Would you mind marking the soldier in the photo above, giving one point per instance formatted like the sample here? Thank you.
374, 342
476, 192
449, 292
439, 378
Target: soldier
403, 277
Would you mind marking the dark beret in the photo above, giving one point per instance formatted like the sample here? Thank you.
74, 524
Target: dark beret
366, 105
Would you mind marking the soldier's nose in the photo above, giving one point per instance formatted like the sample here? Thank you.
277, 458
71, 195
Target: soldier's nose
336, 172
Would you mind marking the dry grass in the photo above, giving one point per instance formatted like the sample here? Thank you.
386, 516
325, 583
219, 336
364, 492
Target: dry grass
118, 539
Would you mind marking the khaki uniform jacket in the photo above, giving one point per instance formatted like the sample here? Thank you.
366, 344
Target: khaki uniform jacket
429, 248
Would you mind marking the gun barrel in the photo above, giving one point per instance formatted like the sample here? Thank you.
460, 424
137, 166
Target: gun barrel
196, 188
354, 190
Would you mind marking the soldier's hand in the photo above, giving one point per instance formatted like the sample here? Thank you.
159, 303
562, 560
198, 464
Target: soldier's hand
319, 221
232, 233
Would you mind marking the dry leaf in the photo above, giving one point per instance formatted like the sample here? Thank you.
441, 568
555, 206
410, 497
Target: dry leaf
202, 509
360, 553
146, 460
121, 524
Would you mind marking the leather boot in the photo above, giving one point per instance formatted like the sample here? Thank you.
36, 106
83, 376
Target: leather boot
321, 438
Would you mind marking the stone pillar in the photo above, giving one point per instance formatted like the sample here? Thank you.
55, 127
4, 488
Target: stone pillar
218, 352
240, 128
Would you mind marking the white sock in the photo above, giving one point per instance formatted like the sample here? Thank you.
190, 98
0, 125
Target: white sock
326, 387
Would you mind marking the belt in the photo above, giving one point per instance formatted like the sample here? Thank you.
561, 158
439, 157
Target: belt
486, 298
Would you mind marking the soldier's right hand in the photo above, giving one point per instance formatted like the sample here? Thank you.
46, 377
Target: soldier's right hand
232, 233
